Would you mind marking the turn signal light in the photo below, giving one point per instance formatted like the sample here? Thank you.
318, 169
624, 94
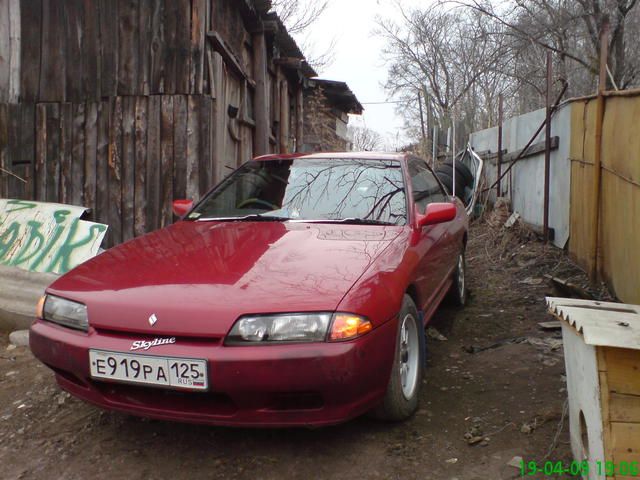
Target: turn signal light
346, 326
40, 307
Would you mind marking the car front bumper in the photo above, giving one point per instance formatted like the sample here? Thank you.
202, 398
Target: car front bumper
311, 384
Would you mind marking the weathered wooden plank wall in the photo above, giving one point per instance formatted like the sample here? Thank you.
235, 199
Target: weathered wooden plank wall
4, 150
112, 110
124, 105
126, 158
10, 40
79, 50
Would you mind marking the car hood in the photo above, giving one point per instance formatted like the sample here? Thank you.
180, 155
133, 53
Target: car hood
199, 277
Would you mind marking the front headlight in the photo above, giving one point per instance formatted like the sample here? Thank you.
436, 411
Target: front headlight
65, 312
297, 327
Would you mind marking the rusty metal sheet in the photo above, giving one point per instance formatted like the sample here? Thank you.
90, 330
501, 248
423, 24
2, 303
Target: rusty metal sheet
620, 192
46, 237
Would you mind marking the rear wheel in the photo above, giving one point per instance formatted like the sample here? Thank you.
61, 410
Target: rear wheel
458, 291
447, 181
403, 391
462, 171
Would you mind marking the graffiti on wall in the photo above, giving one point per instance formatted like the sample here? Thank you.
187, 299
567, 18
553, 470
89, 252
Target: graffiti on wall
46, 237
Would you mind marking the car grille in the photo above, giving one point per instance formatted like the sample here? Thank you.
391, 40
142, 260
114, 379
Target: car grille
213, 340
175, 401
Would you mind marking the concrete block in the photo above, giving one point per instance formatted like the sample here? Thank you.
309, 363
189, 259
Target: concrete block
19, 294
19, 338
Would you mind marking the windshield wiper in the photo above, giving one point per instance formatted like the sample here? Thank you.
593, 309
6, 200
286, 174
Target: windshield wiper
255, 217
354, 221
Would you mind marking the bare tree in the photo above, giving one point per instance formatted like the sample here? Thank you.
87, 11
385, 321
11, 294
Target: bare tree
364, 139
571, 29
461, 54
299, 16
448, 57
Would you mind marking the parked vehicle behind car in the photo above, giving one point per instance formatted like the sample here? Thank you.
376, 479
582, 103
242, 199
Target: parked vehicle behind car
295, 293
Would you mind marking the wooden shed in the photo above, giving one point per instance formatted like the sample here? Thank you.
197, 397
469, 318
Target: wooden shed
327, 104
124, 105
602, 356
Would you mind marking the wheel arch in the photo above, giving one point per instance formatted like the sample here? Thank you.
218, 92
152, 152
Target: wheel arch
412, 291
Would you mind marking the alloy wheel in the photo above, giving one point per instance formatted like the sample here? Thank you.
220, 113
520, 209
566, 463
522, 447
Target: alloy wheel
409, 356
461, 279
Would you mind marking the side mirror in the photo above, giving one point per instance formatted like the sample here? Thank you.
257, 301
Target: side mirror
437, 213
182, 207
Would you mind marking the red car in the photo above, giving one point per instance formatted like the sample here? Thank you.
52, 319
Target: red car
294, 293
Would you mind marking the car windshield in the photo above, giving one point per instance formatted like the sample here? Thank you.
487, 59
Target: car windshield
330, 190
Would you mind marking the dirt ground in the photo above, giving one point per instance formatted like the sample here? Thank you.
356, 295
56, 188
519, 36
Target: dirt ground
507, 400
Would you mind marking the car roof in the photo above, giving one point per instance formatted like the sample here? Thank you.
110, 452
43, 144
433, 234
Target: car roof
334, 155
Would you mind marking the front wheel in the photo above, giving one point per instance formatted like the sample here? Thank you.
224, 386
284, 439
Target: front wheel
458, 291
403, 391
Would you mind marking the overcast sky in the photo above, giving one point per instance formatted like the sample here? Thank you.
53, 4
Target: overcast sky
358, 58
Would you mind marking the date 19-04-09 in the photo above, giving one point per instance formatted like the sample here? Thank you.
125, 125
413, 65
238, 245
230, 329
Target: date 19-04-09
578, 469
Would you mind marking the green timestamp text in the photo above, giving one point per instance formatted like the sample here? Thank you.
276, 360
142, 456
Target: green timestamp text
579, 469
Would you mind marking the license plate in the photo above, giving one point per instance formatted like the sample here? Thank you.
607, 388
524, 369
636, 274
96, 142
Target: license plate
183, 373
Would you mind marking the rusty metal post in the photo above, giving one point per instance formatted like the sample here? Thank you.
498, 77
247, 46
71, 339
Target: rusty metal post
594, 274
547, 150
500, 120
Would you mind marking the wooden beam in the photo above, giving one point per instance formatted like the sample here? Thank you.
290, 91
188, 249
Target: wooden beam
270, 27
289, 62
220, 46
284, 117
14, 42
534, 149
299, 118
261, 140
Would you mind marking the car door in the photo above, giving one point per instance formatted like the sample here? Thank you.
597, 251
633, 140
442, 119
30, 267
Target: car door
433, 246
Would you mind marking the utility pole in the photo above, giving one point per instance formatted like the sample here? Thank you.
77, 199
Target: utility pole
424, 133
434, 145
453, 155
498, 187
430, 124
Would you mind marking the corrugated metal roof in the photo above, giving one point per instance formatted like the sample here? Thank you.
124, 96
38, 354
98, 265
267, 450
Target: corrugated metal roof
288, 46
604, 324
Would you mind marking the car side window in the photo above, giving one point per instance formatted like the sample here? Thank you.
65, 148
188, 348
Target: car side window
426, 188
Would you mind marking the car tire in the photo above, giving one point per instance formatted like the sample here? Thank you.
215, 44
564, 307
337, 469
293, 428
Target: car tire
403, 392
447, 181
462, 171
458, 292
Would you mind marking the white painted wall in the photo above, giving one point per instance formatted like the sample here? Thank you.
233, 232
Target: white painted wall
527, 176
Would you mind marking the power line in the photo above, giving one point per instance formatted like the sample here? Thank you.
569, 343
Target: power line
383, 103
